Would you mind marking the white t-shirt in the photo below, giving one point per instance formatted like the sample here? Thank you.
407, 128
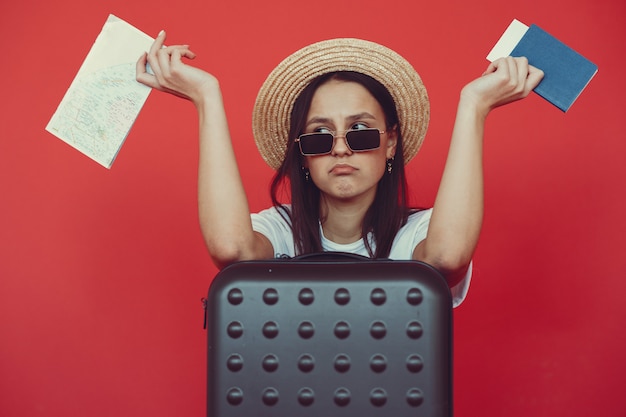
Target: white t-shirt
273, 226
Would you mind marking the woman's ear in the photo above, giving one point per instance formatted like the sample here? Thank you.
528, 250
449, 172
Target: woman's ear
392, 140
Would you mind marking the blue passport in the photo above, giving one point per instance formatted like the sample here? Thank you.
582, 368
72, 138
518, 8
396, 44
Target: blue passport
566, 72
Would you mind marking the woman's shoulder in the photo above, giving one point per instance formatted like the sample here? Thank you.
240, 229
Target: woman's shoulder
276, 217
416, 225
418, 215
281, 211
274, 223
409, 235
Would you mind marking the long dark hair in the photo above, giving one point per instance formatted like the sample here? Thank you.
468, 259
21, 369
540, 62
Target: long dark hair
389, 211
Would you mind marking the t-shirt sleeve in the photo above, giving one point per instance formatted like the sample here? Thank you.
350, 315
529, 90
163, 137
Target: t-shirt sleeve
276, 229
417, 229
459, 291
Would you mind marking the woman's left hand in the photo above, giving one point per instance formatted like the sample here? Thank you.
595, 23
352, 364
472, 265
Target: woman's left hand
505, 80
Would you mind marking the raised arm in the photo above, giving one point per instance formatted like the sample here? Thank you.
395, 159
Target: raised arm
223, 206
458, 210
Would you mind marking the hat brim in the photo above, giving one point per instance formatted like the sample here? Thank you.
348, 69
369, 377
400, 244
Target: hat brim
272, 110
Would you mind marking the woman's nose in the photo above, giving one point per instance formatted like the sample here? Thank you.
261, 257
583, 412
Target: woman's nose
340, 145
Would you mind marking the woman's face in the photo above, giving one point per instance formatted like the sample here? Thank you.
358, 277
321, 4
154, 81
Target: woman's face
338, 106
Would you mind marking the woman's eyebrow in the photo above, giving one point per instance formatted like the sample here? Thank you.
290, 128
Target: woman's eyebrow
360, 116
328, 120
319, 120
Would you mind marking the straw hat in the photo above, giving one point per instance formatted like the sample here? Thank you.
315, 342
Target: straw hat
274, 103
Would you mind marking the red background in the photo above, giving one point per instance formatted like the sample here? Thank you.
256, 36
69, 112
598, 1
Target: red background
102, 272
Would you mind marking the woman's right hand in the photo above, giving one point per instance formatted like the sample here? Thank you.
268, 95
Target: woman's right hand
169, 73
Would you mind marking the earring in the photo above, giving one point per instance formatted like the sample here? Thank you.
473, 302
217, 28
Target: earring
307, 174
389, 165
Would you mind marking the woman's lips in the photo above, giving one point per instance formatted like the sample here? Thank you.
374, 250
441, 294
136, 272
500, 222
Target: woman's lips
342, 169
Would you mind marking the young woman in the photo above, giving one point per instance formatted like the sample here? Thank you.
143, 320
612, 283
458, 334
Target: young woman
338, 120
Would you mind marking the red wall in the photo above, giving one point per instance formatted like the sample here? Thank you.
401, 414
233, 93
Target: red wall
101, 272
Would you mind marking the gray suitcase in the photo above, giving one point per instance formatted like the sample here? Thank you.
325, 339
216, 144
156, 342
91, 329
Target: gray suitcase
329, 335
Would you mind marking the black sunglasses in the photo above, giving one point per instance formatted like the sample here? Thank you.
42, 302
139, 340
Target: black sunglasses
321, 143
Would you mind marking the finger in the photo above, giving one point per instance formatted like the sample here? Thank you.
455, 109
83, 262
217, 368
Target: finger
535, 75
519, 74
522, 68
186, 52
140, 67
176, 58
492, 67
163, 59
173, 63
183, 49
141, 72
189, 54
499, 65
177, 55
512, 70
156, 46
158, 43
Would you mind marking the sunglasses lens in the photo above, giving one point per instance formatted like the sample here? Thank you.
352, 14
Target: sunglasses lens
322, 143
363, 140
316, 143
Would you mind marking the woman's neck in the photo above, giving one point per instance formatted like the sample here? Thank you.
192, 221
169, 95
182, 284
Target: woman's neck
342, 222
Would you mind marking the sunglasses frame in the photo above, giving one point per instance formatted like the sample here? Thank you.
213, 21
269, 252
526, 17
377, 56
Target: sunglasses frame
337, 134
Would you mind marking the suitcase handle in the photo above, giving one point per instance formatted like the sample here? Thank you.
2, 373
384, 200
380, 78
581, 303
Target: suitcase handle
330, 256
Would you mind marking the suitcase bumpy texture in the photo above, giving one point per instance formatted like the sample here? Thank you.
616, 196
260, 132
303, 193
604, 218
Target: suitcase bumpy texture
329, 338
